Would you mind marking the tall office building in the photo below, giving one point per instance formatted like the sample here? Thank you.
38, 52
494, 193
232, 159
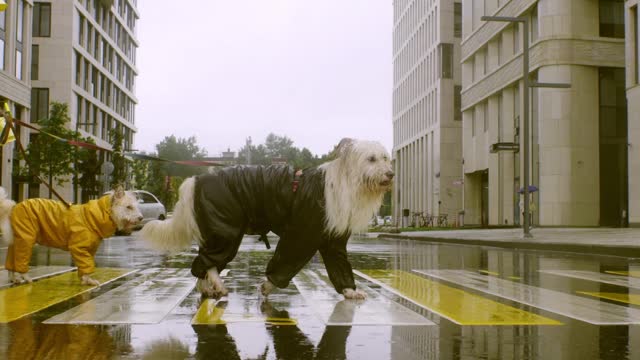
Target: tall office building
426, 117
633, 98
84, 54
15, 55
578, 136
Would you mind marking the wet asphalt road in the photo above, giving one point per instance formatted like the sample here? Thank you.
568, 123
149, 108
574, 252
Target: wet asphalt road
488, 304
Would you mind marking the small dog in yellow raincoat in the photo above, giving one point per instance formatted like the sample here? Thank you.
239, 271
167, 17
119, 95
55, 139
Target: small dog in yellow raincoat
78, 229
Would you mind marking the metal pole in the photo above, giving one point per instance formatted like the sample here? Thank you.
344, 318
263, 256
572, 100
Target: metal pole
525, 109
75, 168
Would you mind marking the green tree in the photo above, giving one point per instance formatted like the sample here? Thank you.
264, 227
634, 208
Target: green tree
89, 168
258, 155
140, 171
172, 148
164, 179
47, 156
119, 174
276, 146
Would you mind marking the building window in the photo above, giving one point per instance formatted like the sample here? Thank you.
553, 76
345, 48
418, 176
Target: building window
19, 33
457, 20
79, 102
2, 38
636, 49
486, 116
78, 68
81, 32
42, 19
18, 64
612, 18
485, 61
534, 24
39, 104
473, 121
499, 49
35, 61
19, 21
445, 57
516, 38
457, 102
499, 115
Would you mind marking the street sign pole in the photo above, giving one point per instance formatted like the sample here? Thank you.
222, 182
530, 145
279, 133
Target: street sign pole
525, 108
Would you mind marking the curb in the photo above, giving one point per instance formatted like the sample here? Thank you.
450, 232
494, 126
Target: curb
612, 250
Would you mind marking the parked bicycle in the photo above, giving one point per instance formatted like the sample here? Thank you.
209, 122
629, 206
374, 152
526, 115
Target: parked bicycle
442, 220
420, 219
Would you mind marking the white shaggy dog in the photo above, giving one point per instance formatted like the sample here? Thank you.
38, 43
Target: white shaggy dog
313, 210
78, 229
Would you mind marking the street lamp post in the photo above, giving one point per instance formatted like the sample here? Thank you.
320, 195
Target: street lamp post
525, 107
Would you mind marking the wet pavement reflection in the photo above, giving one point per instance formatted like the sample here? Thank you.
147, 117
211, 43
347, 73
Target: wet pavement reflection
427, 301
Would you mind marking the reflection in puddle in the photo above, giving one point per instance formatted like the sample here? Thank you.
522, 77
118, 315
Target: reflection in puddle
309, 338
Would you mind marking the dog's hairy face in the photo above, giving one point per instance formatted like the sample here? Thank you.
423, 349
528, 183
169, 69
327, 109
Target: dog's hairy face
370, 161
125, 211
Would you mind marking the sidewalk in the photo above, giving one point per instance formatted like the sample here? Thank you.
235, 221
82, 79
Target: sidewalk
602, 241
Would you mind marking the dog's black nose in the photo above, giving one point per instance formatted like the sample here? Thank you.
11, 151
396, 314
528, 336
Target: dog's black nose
390, 174
140, 218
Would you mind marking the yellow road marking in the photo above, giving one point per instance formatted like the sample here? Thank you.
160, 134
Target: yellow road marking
632, 273
624, 298
23, 300
210, 314
515, 277
457, 305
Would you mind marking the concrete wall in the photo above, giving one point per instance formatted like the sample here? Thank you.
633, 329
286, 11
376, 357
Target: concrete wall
565, 122
569, 147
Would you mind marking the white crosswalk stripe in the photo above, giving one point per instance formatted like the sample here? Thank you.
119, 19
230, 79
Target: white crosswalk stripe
147, 299
576, 307
624, 281
333, 309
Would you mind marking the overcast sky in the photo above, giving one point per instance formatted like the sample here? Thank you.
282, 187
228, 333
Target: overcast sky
222, 70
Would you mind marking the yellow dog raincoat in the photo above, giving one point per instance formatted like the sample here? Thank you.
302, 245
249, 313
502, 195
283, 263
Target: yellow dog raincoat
77, 229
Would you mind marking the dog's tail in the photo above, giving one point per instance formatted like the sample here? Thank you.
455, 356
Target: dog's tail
178, 232
6, 205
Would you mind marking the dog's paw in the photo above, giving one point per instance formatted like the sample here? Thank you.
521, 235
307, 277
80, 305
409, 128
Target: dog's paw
88, 280
212, 285
354, 294
216, 282
206, 288
266, 288
19, 278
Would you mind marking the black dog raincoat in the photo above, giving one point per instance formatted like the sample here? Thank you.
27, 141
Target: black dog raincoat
234, 200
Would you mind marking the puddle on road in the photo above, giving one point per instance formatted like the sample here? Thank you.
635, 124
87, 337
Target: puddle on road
490, 272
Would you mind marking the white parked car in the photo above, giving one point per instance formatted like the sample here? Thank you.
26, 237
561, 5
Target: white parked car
150, 207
